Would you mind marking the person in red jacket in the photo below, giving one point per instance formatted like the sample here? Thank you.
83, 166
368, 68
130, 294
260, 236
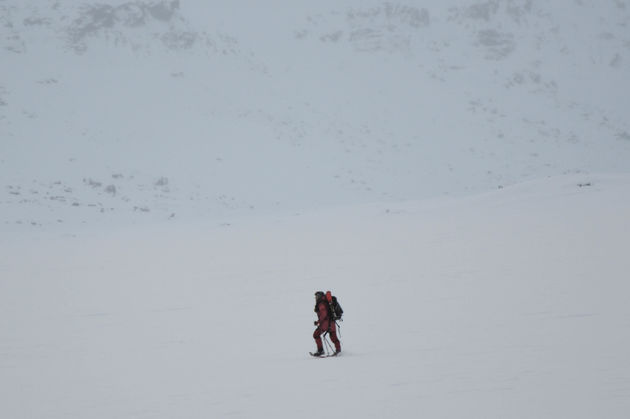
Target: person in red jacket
324, 324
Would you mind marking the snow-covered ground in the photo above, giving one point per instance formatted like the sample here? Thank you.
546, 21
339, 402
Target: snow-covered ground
509, 304
178, 177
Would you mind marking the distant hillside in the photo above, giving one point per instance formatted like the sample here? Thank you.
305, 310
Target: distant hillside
116, 111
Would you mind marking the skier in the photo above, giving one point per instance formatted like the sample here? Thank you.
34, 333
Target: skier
325, 323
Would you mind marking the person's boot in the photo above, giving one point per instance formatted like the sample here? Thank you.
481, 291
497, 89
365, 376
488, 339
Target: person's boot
320, 352
337, 349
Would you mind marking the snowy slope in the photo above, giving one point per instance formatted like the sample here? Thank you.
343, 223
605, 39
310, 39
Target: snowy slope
138, 110
508, 304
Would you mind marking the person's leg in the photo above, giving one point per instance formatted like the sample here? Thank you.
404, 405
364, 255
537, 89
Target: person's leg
335, 340
318, 339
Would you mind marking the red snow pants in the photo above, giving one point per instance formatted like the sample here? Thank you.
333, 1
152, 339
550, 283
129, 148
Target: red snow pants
333, 336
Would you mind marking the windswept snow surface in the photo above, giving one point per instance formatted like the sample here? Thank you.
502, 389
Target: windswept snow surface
178, 177
514, 304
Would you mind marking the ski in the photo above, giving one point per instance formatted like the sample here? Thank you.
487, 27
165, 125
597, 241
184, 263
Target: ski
314, 355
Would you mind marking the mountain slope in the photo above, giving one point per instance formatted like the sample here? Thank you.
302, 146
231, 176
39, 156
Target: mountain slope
283, 108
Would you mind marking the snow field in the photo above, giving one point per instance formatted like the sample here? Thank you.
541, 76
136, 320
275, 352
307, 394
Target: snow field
508, 304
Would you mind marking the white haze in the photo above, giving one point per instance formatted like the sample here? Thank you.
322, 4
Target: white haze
178, 177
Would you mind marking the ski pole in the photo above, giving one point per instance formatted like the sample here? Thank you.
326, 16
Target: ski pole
328, 344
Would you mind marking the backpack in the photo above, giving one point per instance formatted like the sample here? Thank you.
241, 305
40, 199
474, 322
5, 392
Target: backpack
335, 309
